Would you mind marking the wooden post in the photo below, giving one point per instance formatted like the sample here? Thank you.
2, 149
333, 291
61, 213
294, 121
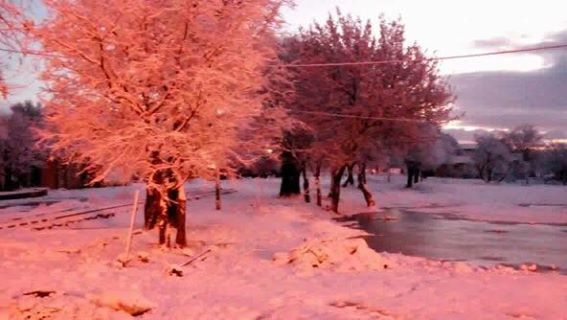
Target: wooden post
131, 230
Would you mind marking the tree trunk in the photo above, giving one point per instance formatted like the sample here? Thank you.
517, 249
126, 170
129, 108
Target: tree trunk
416, 174
363, 187
410, 172
218, 204
151, 208
505, 174
173, 217
290, 185
8, 183
306, 194
362, 174
162, 221
527, 172
528, 168
167, 214
480, 171
336, 177
350, 176
180, 214
318, 184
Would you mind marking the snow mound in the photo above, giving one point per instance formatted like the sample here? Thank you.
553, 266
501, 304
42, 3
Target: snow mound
337, 254
58, 307
130, 303
65, 306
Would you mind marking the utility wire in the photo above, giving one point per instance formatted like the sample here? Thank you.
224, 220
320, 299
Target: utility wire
341, 115
454, 57
360, 63
364, 63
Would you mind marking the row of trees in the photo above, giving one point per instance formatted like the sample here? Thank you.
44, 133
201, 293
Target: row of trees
18, 155
520, 152
555, 159
20, 159
167, 91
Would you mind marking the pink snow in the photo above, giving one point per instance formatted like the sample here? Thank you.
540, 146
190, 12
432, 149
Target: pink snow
476, 200
267, 258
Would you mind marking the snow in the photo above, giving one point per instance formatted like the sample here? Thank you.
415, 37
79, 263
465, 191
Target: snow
256, 261
476, 200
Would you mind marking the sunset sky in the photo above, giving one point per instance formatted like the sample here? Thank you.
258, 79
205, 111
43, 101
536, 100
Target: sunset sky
493, 92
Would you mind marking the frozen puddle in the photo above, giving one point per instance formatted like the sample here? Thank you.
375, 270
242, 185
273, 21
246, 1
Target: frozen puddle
482, 243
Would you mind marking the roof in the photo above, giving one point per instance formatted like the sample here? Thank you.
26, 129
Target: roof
460, 160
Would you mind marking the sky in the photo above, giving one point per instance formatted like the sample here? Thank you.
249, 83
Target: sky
492, 92
449, 27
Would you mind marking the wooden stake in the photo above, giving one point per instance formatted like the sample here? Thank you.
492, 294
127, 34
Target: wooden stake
131, 230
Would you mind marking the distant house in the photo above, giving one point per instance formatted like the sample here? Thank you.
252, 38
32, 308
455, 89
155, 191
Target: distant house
467, 148
460, 165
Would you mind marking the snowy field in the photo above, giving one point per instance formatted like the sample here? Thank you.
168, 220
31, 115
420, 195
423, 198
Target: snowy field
266, 258
472, 199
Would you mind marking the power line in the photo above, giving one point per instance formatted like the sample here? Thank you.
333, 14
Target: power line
454, 57
341, 115
360, 63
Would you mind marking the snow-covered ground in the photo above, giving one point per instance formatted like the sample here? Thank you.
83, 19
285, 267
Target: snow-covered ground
474, 199
266, 258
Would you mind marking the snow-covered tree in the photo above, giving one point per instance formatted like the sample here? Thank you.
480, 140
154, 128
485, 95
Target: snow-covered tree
19, 153
164, 90
10, 25
524, 139
556, 161
295, 156
22, 150
345, 105
492, 157
434, 149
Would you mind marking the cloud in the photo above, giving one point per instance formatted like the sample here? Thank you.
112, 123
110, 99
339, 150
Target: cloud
505, 99
492, 43
465, 136
556, 134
